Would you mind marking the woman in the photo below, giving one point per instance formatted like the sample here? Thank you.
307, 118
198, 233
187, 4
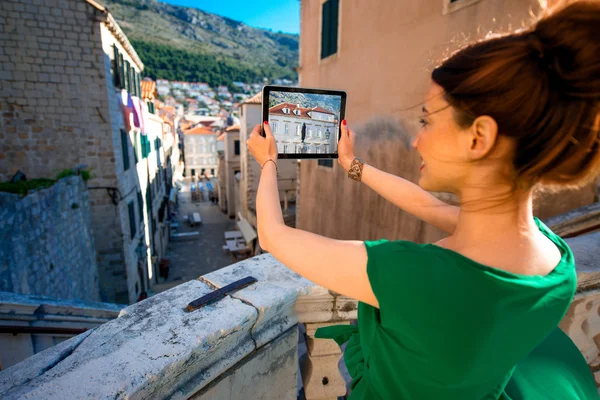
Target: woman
475, 315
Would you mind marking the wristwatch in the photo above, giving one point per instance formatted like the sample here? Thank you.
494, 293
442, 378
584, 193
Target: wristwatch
355, 170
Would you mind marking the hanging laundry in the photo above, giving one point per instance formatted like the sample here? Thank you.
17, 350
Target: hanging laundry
144, 117
129, 110
125, 110
138, 111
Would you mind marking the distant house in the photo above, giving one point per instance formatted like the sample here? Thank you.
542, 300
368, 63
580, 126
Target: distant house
303, 130
200, 151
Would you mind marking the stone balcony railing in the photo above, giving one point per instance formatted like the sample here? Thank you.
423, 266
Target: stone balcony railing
243, 346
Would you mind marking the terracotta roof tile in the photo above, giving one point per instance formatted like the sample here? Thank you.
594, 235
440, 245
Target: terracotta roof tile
256, 99
199, 130
278, 109
148, 89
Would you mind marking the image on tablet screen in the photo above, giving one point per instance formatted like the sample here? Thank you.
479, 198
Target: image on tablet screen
305, 122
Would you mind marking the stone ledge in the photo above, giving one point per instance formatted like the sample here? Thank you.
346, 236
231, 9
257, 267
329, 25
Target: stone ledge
151, 351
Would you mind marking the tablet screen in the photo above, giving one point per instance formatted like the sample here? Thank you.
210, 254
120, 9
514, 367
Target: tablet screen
305, 123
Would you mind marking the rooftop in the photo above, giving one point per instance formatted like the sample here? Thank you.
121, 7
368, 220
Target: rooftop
199, 130
256, 99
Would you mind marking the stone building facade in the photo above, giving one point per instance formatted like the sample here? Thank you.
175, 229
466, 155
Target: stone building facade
65, 68
46, 243
386, 72
303, 130
200, 144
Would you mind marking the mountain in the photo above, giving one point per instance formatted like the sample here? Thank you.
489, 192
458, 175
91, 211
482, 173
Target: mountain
182, 43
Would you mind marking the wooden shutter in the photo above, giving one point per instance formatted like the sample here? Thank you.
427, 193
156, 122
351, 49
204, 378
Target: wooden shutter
121, 72
325, 28
125, 149
333, 26
329, 27
126, 78
116, 67
132, 222
139, 84
140, 205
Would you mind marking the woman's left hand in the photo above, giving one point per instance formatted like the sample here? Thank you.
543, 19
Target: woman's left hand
262, 148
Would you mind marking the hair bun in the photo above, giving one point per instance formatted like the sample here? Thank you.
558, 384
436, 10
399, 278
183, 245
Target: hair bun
567, 45
547, 62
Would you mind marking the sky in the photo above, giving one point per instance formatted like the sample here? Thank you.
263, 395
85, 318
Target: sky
277, 15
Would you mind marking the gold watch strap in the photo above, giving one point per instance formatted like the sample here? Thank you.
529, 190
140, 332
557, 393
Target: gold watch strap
355, 171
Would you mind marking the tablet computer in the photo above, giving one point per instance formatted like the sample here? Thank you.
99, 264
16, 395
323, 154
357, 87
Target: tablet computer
305, 122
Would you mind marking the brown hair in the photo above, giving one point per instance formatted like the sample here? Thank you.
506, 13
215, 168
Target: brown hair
542, 86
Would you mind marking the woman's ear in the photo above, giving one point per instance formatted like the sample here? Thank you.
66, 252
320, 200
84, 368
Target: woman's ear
482, 135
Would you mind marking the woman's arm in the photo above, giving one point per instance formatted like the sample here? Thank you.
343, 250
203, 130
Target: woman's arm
404, 194
338, 265
411, 198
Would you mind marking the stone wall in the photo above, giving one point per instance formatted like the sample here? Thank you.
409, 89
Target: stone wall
59, 108
46, 243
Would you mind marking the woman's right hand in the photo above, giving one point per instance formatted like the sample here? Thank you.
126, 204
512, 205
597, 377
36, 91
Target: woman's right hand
346, 147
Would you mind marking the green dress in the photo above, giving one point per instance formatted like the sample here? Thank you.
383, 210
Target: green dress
451, 328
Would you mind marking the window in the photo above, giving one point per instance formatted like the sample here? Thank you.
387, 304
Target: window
329, 28
297, 112
127, 80
285, 148
116, 67
326, 163
236, 145
131, 219
212, 171
121, 72
140, 200
202, 148
286, 110
125, 149
298, 130
146, 146
286, 128
274, 125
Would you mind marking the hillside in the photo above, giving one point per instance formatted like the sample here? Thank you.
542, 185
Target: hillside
181, 43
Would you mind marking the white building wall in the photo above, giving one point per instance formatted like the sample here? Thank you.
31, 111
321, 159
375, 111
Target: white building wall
200, 152
128, 181
320, 134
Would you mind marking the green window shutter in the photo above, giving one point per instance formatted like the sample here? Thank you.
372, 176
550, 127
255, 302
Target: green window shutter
132, 223
121, 72
126, 80
125, 149
116, 67
325, 28
140, 205
139, 85
329, 27
333, 26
